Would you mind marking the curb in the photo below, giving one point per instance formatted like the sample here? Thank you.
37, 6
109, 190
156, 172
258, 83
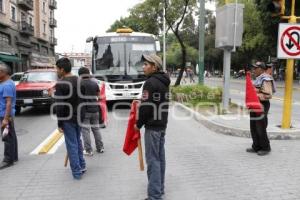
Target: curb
51, 142
280, 134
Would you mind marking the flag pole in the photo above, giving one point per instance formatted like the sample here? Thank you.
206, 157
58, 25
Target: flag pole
141, 159
66, 160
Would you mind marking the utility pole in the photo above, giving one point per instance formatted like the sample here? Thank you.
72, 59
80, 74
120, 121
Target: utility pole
288, 93
201, 41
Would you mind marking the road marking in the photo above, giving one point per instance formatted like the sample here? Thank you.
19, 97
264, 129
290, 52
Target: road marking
50, 144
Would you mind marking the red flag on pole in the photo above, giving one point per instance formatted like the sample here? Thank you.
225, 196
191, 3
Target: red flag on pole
251, 98
103, 104
132, 136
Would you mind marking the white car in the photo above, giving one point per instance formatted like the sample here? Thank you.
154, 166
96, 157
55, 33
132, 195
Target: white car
16, 77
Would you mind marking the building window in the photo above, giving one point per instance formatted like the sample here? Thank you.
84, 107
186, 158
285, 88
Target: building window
4, 39
30, 21
2, 6
13, 13
44, 29
23, 17
44, 50
35, 47
44, 6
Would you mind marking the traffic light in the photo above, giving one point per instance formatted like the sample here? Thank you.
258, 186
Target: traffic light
277, 7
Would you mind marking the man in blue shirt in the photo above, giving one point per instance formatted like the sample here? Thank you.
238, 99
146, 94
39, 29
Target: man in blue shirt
7, 113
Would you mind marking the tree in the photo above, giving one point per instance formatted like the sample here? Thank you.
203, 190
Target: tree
176, 11
141, 18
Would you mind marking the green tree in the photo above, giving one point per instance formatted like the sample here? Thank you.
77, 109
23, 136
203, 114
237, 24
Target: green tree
176, 11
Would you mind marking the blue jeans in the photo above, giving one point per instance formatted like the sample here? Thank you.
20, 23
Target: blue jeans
156, 163
74, 148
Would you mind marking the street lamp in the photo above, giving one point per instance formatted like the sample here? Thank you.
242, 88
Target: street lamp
201, 41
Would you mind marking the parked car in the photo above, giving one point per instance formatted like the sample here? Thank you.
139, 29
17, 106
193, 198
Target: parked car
36, 88
16, 77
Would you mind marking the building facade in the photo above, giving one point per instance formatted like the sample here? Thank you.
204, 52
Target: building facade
27, 36
79, 59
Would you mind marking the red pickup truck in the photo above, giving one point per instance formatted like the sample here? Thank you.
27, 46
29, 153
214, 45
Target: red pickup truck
36, 88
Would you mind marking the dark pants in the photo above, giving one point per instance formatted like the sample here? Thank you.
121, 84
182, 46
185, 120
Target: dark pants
10, 144
74, 148
258, 128
156, 163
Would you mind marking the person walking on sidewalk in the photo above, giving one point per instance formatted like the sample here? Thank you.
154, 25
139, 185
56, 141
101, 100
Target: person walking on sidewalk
91, 112
67, 102
153, 114
7, 113
265, 87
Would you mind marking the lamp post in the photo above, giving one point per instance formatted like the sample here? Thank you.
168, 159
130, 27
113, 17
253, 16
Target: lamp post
201, 41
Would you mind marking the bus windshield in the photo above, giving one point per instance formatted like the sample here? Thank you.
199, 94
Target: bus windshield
120, 56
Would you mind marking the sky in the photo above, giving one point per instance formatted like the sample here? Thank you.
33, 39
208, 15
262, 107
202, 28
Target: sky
77, 20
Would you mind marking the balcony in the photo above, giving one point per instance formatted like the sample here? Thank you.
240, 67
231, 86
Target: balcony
53, 40
26, 29
53, 4
52, 22
25, 4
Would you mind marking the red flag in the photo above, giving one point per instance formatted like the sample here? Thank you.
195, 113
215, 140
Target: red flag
103, 104
251, 98
132, 136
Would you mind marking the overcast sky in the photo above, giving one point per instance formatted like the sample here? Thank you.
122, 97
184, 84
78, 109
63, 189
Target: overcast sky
79, 19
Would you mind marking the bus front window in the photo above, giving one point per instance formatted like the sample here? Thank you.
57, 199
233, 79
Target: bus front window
134, 57
110, 59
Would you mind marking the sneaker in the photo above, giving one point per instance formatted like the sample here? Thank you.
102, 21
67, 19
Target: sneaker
251, 150
262, 152
100, 150
88, 153
83, 170
77, 177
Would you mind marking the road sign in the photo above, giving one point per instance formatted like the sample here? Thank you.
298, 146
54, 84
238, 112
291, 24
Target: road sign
288, 46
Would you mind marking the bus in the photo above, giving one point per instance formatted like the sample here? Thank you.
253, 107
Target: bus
117, 62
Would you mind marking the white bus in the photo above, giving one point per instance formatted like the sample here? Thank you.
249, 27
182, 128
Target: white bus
117, 62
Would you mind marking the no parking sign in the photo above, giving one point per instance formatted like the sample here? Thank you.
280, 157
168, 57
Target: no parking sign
288, 46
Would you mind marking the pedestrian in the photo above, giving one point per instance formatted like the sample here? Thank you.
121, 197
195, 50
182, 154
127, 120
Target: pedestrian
265, 87
67, 102
184, 75
191, 75
153, 114
7, 113
91, 112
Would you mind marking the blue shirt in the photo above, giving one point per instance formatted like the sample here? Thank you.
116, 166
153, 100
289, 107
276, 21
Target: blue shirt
7, 89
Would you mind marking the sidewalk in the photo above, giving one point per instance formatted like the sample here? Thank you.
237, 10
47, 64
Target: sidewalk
239, 124
279, 84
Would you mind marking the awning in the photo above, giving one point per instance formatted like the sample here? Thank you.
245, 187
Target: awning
9, 58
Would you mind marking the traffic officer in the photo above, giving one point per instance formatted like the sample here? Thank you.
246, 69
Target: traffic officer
265, 87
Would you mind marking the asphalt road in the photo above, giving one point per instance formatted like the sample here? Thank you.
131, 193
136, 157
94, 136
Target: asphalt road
201, 165
237, 94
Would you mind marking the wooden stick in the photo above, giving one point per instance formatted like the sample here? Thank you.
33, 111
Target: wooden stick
66, 160
141, 159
